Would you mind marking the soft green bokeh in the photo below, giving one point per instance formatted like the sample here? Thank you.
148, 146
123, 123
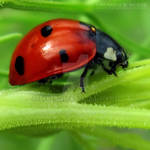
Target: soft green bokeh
40, 117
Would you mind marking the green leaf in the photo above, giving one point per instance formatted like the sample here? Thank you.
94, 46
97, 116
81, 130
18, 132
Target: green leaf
126, 139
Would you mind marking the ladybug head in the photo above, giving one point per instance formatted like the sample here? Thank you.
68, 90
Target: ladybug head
122, 58
110, 50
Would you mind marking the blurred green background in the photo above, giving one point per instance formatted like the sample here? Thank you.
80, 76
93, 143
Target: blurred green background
130, 24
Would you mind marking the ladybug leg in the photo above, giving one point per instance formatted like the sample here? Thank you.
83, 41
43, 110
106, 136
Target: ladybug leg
83, 75
113, 67
55, 77
92, 73
109, 71
43, 81
51, 81
105, 69
99, 61
92, 66
93, 70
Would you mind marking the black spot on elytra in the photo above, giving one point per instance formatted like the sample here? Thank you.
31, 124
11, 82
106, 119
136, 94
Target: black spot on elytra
19, 65
63, 55
46, 31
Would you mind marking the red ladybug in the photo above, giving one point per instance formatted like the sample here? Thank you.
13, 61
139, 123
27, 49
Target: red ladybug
60, 46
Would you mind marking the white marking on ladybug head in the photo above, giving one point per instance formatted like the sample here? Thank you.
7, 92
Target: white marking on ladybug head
110, 54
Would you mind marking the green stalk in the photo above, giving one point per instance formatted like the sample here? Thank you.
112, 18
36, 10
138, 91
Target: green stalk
57, 6
68, 116
9, 37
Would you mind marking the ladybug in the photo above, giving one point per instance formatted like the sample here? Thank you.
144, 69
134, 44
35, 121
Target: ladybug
63, 45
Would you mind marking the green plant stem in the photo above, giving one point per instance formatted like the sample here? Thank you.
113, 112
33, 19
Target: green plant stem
68, 116
3, 73
10, 36
45, 5
57, 6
